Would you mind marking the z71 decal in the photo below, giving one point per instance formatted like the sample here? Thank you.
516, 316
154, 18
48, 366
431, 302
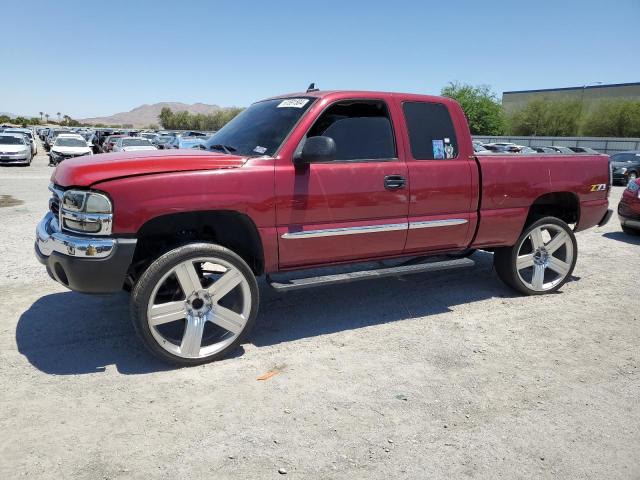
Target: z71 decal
599, 187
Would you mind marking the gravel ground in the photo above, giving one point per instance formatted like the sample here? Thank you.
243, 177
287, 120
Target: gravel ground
448, 375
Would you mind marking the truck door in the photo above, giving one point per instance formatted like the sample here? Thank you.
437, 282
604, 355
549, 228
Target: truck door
354, 207
443, 181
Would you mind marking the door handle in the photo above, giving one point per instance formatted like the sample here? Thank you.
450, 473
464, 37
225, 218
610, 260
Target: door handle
394, 182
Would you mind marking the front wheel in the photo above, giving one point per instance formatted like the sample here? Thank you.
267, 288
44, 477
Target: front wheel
195, 304
542, 259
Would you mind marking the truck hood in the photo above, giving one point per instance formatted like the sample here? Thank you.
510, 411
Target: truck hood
90, 169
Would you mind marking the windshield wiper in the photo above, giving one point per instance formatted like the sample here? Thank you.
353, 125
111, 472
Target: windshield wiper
225, 148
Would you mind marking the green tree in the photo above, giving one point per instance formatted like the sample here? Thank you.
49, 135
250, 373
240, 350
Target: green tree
613, 118
545, 117
166, 117
481, 107
184, 120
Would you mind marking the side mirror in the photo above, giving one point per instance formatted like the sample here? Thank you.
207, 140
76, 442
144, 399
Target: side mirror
315, 150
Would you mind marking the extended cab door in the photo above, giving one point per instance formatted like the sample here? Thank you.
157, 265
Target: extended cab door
354, 207
443, 176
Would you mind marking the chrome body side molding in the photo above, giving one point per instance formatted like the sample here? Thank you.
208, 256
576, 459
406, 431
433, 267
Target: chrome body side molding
390, 227
449, 222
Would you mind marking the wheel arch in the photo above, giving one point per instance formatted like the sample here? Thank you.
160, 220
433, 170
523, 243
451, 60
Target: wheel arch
562, 205
228, 228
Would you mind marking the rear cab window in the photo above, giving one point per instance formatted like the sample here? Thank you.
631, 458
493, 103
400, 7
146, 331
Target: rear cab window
432, 135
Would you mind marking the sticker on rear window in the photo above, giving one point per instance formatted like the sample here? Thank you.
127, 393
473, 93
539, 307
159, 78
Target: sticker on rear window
260, 149
448, 150
293, 103
438, 148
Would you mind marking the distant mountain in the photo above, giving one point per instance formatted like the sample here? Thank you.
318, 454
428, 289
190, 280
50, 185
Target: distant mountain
148, 114
13, 115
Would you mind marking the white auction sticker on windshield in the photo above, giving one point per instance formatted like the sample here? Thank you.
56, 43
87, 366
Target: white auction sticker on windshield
260, 149
293, 103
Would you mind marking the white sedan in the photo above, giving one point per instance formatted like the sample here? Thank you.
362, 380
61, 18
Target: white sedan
27, 133
68, 146
15, 148
132, 144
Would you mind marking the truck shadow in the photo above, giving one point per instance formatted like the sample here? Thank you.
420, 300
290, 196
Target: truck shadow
70, 333
623, 237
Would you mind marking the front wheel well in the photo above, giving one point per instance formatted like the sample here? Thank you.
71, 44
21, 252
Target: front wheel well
233, 230
562, 205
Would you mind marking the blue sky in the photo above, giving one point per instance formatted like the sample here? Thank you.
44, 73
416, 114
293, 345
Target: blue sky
98, 58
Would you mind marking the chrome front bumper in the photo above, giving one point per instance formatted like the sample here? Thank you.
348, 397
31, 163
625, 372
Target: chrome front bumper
83, 264
49, 239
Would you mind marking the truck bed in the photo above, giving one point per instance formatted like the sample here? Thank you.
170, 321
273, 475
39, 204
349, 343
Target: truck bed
509, 182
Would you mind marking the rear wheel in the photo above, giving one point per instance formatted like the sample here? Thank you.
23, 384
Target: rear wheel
195, 304
542, 259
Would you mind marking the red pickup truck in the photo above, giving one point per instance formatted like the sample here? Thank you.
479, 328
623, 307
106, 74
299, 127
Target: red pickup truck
302, 181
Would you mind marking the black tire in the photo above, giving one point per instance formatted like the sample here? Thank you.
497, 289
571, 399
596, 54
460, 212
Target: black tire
504, 259
630, 231
142, 290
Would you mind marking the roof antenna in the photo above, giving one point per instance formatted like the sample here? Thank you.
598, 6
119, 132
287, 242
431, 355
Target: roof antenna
312, 88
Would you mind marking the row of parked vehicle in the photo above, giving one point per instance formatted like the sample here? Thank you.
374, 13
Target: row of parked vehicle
63, 143
17, 145
507, 147
625, 166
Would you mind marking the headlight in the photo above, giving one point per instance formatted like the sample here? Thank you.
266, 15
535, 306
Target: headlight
623, 170
86, 212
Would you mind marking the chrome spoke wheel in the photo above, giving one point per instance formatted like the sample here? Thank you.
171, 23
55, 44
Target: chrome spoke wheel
545, 257
199, 307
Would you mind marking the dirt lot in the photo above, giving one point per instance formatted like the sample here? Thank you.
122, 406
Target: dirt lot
443, 376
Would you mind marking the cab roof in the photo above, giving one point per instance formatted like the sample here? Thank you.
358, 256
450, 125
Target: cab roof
337, 94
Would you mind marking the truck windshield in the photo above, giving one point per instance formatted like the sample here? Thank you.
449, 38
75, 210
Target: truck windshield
261, 128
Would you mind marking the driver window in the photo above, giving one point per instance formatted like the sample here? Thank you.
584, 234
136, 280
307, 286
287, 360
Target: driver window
361, 129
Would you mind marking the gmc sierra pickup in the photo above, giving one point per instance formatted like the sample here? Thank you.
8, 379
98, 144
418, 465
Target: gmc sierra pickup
301, 181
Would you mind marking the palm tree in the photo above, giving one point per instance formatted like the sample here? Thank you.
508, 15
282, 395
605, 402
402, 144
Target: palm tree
41, 113
46, 115
58, 114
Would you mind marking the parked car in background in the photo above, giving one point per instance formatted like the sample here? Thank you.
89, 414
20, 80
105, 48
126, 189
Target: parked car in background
583, 150
180, 142
151, 136
629, 208
544, 150
192, 133
163, 141
478, 148
15, 148
132, 144
502, 147
43, 133
51, 137
525, 149
109, 142
625, 166
68, 145
561, 149
28, 134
